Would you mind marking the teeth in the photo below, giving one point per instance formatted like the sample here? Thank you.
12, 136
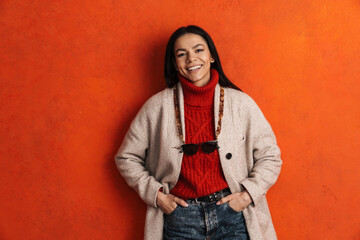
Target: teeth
193, 68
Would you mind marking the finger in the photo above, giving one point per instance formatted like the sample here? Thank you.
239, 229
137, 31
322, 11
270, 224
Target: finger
169, 207
173, 207
223, 200
181, 202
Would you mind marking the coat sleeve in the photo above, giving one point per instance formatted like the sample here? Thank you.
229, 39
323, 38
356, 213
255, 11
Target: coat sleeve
266, 154
130, 160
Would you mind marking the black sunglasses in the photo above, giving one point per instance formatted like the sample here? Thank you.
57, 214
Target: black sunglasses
191, 148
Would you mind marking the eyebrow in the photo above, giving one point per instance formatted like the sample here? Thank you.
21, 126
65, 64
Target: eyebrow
182, 49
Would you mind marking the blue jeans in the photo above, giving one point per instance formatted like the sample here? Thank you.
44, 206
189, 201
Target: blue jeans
205, 221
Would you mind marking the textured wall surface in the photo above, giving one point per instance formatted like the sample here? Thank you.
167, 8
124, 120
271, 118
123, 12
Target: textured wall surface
73, 74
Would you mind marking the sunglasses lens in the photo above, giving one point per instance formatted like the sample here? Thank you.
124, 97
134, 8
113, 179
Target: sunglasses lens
209, 147
190, 149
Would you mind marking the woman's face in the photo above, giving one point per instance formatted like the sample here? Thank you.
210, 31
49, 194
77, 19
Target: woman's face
193, 58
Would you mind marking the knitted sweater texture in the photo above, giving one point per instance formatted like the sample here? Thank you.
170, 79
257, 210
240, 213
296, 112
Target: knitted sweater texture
201, 174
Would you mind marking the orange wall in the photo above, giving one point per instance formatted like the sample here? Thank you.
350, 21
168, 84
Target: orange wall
74, 73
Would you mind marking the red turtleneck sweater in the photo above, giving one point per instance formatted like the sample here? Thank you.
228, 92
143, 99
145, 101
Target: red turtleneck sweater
201, 174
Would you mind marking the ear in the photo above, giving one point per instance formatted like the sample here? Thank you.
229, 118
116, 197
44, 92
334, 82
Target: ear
212, 60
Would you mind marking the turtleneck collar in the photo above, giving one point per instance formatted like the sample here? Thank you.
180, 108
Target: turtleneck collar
199, 96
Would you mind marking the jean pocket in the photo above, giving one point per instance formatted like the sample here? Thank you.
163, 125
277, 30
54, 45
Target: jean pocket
231, 209
173, 211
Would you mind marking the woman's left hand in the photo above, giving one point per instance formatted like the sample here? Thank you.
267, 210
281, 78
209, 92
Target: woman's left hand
237, 201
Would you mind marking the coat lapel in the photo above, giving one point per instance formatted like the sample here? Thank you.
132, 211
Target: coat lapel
216, 106
181, 106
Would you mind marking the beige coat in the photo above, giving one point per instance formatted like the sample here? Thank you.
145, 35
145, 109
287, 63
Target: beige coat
149, 159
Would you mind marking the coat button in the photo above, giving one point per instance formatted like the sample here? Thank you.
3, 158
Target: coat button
229, 156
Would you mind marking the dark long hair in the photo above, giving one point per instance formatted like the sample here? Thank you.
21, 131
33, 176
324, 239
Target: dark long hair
169, 68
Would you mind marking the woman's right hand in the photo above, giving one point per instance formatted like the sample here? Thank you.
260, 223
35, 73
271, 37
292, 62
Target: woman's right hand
168, 202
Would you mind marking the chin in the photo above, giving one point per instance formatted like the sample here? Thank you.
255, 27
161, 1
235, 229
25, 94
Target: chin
194, 79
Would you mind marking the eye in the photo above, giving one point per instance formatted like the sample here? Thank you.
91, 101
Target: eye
181, 54
199, 50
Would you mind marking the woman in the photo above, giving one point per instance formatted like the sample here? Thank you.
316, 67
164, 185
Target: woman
201, 153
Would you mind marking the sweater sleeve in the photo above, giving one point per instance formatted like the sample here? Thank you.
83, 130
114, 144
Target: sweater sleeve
130, 161
265, 152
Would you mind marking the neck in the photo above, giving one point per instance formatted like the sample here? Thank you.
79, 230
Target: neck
199, 96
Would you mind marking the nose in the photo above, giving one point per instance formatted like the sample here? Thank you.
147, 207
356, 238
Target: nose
190, 58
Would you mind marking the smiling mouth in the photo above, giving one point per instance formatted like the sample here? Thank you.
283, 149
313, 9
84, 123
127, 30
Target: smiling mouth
194, 68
